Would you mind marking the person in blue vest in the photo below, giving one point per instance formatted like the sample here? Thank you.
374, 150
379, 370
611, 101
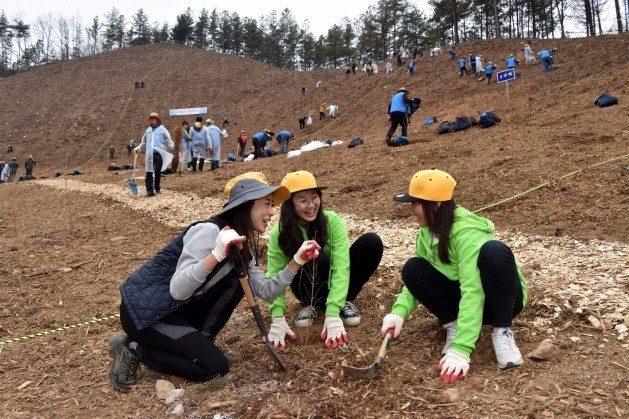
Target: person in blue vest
472, 60
511, 61
462, 67
284, 137
411, 68
176, 303
399, 113
547, 63
259, 141
489, 71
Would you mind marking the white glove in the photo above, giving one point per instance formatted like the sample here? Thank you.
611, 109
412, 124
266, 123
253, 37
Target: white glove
309, 250
279, 329
392, 320
453, 366
226, 237
333, 333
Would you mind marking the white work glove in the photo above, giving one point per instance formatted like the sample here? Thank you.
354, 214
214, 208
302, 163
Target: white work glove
279, 329
333, 333
309, 250
392, 320
453, 366
226, 237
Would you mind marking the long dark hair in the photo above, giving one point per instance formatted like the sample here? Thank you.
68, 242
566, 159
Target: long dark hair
439, 219
290, 238
239, 219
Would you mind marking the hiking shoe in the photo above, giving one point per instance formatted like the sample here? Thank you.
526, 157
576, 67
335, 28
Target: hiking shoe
305, 316
507, 352
350, 315
123, 372
150, 194
450, 329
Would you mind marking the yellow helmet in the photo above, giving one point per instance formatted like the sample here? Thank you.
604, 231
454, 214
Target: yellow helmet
300, 181
248, 175
429, 185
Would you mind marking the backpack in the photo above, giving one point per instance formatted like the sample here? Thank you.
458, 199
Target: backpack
399, 140
605, 99
493, 116
355, 141
415, 105
460, 124
486, 121
444, 128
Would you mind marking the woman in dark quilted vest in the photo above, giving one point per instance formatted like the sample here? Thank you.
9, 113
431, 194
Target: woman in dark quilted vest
175, 304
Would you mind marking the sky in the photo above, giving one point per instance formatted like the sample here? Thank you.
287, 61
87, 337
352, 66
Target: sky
321, 14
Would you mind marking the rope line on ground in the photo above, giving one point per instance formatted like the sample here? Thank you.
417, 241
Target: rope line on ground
511, 198
58, 329
541, 185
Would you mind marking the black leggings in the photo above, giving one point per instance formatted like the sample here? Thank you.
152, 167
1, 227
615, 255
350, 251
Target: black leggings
364, 258
182, 343
441, 296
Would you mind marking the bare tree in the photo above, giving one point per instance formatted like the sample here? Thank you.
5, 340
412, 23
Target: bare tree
43, 29
618, 15
63, 37
76, 27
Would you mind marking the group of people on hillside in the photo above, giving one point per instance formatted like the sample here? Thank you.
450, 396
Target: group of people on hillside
478, 66
175, 304
8, 170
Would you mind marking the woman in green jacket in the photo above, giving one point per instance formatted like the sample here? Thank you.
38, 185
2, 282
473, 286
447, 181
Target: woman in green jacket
461, 274
333, 280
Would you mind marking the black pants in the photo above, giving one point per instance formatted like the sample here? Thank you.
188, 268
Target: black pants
157, 170
463, 70
258, 151
200, 161
364, 257
441, 296
241, 149
321, 115
397, 118
182, 343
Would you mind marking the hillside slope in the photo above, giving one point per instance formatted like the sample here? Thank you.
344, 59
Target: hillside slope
67, 115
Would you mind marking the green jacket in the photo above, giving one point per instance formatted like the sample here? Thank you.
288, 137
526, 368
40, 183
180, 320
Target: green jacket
337, 249
467, 234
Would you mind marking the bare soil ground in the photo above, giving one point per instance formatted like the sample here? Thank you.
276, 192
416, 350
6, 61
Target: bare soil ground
69, 242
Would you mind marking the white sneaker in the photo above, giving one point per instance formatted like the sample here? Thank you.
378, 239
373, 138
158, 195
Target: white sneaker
450, 329
305, 316
349, 314
507, 352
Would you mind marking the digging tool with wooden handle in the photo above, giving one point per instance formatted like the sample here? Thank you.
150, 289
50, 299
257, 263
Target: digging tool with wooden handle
372, 370
241, 271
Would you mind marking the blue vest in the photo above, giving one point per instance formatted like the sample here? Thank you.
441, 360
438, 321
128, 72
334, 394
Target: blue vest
543, 54
146, 292
462, 63
283, 135
489, 69
510, 62
398, 104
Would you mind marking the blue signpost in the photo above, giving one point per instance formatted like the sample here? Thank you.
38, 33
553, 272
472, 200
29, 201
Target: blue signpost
505, 76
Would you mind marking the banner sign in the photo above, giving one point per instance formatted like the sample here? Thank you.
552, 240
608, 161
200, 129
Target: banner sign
187, 111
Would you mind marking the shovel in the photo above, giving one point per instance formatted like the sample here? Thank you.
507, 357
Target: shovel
132, 185
372, 370
239, 265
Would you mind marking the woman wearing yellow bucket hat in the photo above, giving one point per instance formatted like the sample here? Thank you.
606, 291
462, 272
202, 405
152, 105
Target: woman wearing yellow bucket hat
175, 304
461, 274
340, 272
